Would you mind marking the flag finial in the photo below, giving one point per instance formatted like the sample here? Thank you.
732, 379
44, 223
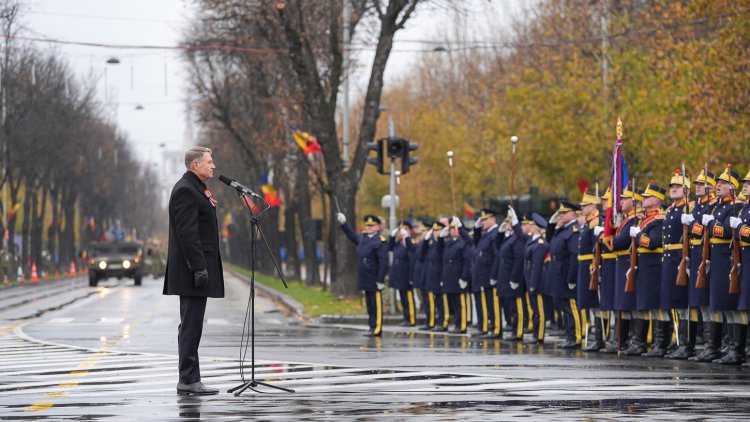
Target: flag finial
619, 128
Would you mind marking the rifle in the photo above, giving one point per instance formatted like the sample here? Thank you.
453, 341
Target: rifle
701, 279
597, 261
734, 273
630, 277
682, 274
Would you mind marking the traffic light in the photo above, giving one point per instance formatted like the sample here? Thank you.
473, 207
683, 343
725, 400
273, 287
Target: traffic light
377, 160
397, 147
406, 160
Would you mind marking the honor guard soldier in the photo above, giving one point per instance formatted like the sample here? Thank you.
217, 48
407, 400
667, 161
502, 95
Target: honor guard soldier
698, 297
438, 320
456, 267
741, 227
674, 298
483, 270
510, 275
648, 240
372, 263
402, 247
562, 235
588, 300
718, 264
624, 301
535, 251
420, 256
606, 283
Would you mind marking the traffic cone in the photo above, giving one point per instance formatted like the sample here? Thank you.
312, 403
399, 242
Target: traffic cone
72, 268
34, 275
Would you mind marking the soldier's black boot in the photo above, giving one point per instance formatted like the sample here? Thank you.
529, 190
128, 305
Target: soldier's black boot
638, 334
598, 342
662, 337
736, 353
712, 348
747, 347
726, 339
686, 334
620, 342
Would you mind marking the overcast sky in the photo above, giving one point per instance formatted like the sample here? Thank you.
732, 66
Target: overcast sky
156, 79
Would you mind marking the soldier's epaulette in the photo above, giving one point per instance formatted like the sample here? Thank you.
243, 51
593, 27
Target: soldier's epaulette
640, 216
692, 204
383, 238
713, 201
540, 241
659, 216
593, 223
575, 228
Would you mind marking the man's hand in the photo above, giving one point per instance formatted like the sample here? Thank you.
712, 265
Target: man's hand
514, 285
341, 218
512, 215
404, 232
478, 223
428, 235
635, 231
456, 222
200, 278
687, 219
735, 222
462, 284
493, 282
571, 286
554, 218
393, 232
380, 286
707, 218
598, 230
445, 232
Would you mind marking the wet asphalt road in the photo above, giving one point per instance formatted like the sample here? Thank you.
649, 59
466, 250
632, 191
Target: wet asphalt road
68, 351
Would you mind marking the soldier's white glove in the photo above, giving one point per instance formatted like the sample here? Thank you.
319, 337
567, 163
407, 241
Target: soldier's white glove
707, 218
514, 285
532, 290
554, 218
735, 222
457, 222
393, 232
708, 266
428, 235
478, 223
441, 284
493, 282
404, 232
445, 232
512, 215
598, 230
687, 219
341, 218
571, 286
462, 284
380, 286
634, 231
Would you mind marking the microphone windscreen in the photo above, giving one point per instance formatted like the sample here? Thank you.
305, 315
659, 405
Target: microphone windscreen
227, 181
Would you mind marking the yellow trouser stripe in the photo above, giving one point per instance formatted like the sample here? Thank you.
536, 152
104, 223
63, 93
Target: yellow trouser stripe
519, 316
461, 298
432, 309
467, 298
485, 322
378, 313
576, 319
650, 335
446, 310
743, 318
694, 315
410, 299
584, 322
542, 321
529, 312
496, 302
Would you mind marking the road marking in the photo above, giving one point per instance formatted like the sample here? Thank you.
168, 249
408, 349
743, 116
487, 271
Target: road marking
217, 321
61, 320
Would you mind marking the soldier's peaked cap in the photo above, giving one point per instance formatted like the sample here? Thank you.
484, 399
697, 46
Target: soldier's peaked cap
371, 220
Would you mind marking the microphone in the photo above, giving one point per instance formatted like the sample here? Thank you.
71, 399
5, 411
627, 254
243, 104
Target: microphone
239, 186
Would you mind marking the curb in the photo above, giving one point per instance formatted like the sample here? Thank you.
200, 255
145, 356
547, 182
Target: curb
294, 307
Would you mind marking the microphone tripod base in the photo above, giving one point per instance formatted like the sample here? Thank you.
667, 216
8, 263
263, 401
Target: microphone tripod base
252, 385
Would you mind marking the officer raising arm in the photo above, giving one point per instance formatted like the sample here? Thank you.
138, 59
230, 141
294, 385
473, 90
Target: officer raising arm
372, 263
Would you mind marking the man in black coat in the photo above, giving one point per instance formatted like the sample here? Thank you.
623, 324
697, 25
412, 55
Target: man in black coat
194, 270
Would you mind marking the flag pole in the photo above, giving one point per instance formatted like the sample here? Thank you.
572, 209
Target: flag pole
453, 184
513, 141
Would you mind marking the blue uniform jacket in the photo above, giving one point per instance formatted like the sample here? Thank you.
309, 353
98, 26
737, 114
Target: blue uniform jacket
587, 299
510, 266
484, 264
433, 266
402, 267
721, 257
672, 296
698, 297
648, 277
456, 263
535, 251
563, 265
742, 233
372, 258
621, 246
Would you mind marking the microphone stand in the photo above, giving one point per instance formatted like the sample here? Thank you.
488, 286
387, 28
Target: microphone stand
255, 232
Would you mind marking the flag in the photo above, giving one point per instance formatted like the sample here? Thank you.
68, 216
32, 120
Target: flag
91, 223
469, 209
308, 143
270, 195
617, 183
13, 211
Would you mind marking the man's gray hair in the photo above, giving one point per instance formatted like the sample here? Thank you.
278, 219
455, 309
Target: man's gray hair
195, 154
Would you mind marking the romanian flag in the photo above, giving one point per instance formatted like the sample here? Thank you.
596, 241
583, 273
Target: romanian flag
469, 209
91, 223
308, 143
13, 211
270, 195
617, 183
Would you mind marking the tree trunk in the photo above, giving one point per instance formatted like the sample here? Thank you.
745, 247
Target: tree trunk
341, 250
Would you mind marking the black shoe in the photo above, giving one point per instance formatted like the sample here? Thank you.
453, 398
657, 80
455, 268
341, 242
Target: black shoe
569, 344
406, 324
635, 349
456, 331
492, 336
609, 350
439, 329
712, 348
478, 333
425, 327
595, 346
682, 353
195, 389
533, 341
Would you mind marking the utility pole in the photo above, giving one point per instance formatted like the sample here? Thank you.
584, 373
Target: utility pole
605, 47
345, 123
392, 191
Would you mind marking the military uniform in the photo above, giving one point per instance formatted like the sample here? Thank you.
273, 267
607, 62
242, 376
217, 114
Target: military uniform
433, 275
606, 286
510, 279
401, 274
587, 299
484, 267
742, 234
563, 271
534, 273
456, 267
372, 263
